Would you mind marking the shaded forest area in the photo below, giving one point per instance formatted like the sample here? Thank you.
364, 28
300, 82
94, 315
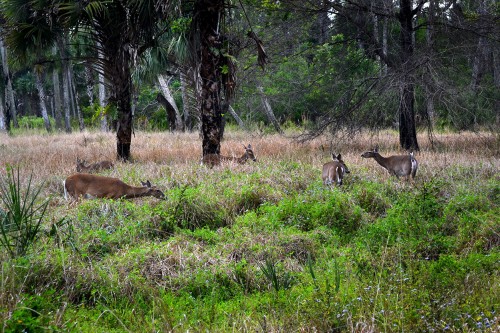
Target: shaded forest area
326, 66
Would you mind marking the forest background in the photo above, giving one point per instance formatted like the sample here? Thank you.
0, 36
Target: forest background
328, 67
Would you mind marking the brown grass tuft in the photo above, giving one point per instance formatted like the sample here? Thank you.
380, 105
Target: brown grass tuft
172, 159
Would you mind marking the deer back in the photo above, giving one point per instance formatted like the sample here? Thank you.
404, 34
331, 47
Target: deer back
95, 167
334, 171
93, 186
216, 159
396, 165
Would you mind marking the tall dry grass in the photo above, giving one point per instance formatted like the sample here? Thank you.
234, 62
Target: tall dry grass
170, 159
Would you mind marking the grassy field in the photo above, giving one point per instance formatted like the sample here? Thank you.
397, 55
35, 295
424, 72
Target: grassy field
261, 247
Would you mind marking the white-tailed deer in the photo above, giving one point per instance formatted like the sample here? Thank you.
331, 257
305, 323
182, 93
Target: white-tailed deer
398, 165
91, 186
214, 159
333, 171
96, 167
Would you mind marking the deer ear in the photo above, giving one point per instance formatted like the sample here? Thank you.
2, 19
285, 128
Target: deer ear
375, 150
339, 157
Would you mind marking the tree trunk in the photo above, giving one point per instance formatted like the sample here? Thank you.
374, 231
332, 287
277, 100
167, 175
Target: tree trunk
208, 13
165, 90
75, 99
189, 96
65, 83
41, 96
268, 110
496, 81
169, 110
102, 95
407, 128
57, 98
121, 96
385, 50
236, 117
2, 116
89, 83
10, 104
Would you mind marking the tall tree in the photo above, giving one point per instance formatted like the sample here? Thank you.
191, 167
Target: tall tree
42, 96
10, 104
207, 39
123, 30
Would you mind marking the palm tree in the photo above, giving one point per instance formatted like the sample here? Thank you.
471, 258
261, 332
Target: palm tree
10, 105
209, 48
122, 31
30, 35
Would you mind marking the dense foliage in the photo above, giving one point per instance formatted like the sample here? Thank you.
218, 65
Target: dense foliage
331, 66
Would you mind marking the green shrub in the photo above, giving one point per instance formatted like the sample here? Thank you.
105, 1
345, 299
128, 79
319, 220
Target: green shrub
327, 208
31, 315
20, 224
33, 122
371, 197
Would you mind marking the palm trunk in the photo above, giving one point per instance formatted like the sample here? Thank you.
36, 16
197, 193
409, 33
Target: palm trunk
189, 96
89, 83
2, 117
10, 104
121, 96
165, 90
41, 96
65, 83
209, 13
102, 96
75, 98
57, 99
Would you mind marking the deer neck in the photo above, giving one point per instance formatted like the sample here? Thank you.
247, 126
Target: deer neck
383, 161
243, 158
136, 192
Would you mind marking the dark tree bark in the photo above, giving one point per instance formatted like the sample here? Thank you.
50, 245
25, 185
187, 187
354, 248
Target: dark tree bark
121, 96
208, 19
407, 128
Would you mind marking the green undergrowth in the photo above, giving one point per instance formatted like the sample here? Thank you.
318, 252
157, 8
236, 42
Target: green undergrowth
270, 250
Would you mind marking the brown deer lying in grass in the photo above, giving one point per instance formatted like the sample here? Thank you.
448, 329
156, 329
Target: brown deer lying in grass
333, 171
91, 186
91, 168
214, 159
398, 165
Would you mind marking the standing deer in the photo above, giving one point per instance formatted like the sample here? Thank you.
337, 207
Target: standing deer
215, 159
96, 167
399, 165
91, 186
333, 171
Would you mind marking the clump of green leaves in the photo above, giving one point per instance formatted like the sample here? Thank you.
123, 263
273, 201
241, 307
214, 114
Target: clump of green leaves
20, 223
279, 280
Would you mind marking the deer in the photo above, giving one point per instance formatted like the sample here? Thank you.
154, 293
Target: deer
398, 165
216, 159
96, 167
333, 171
91, 186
